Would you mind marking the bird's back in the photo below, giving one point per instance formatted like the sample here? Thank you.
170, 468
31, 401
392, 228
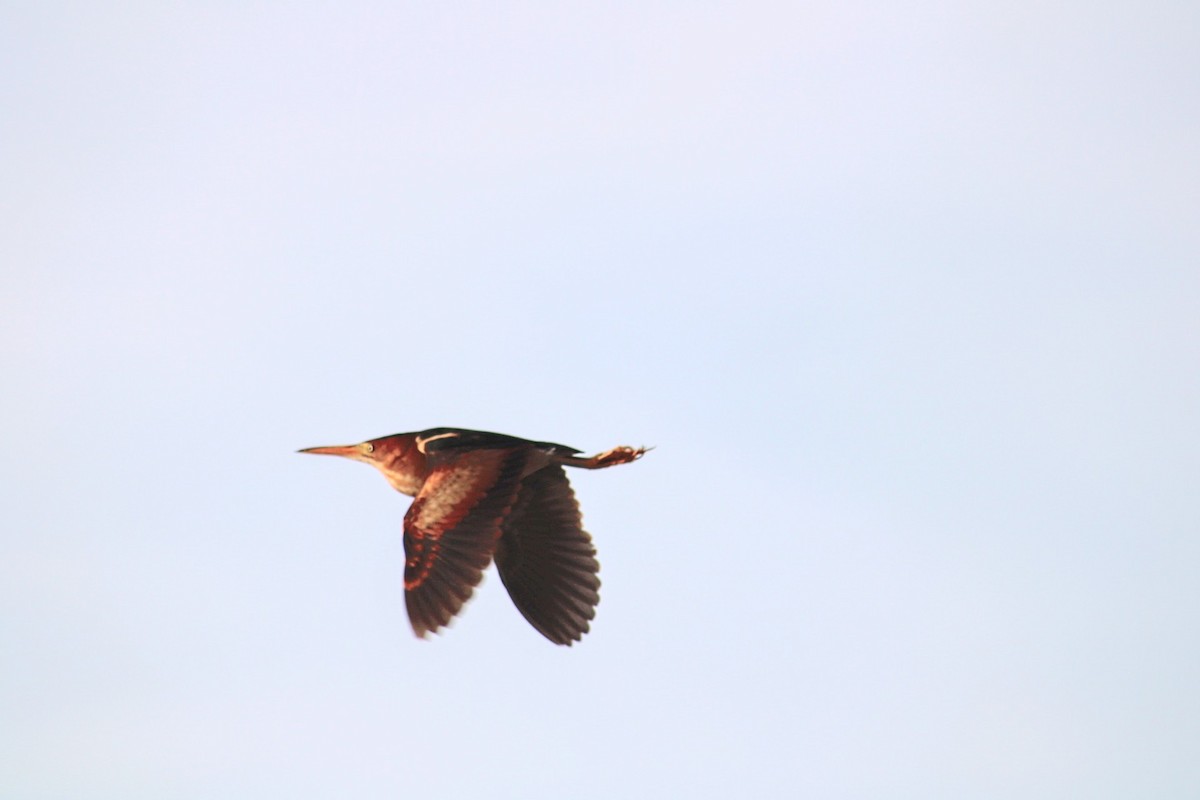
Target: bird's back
445, 440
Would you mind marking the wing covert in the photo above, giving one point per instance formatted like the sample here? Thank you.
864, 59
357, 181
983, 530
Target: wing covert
451, 530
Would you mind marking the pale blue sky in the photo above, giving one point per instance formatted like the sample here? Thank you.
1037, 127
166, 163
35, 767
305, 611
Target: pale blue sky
906, 295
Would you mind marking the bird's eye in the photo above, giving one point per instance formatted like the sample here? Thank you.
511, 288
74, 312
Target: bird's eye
368, 447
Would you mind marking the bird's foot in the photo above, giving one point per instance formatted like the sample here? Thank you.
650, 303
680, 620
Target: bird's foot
611, 458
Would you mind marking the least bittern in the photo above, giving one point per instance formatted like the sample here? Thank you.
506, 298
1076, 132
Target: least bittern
482, 496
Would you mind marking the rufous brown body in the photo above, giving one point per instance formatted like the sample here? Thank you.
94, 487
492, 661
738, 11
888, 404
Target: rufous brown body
487, 496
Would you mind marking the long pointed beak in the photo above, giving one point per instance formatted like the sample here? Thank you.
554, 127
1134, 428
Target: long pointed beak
344, 450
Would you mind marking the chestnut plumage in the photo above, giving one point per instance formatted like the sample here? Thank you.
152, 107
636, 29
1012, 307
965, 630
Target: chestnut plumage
486, 496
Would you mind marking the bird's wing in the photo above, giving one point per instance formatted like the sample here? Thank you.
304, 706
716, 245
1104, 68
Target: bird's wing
546, 560
451, 530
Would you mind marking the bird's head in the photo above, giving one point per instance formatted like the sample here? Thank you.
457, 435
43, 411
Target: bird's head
391, 455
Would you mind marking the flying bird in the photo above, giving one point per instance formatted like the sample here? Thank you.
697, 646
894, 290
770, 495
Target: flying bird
487, 496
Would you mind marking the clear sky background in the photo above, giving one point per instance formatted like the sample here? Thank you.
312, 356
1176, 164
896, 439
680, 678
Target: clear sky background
907, 295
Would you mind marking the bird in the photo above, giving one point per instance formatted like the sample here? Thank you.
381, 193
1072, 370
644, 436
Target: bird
483, 496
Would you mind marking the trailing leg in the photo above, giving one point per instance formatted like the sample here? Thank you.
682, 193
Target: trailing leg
609, 458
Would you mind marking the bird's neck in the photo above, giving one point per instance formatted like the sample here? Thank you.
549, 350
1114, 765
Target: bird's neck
405, 469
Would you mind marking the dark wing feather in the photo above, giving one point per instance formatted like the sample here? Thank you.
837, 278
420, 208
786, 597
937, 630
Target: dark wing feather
438, 441
451, 530
546, 560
